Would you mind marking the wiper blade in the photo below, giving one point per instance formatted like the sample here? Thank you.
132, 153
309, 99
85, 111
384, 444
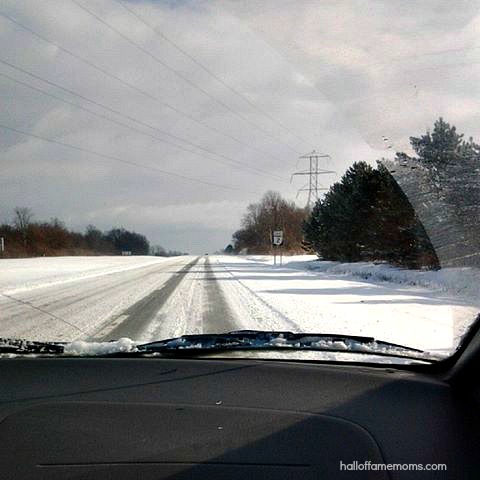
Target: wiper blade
201, 344
267, 340
24, 347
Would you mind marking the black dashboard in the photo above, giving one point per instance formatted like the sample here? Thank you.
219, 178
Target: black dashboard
90, 418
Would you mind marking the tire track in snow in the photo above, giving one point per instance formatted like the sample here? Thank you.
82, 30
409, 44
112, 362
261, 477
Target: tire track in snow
217, 314
137, 317
182, 312
197, 306
251, 310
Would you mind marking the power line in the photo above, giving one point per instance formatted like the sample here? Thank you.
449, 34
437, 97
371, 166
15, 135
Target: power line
181, 75
135, 88
129, 127
206, 69
230, 161
118, 159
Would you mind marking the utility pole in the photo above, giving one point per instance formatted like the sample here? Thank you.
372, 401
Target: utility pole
312, 187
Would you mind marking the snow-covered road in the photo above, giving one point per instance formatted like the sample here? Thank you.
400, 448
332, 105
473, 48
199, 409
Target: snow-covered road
69, 298
147, 298
268, 296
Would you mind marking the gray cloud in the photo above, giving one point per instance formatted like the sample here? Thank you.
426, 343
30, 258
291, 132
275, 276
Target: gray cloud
339, 75
391, 68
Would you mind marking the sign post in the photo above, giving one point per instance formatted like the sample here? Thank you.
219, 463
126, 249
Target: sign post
277, 241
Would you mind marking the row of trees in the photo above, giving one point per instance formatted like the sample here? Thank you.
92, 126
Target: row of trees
117, 240
159, 251
27, 237
366, 216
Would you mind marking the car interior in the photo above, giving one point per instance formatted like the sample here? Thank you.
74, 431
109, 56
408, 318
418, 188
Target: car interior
239, 240
188, 417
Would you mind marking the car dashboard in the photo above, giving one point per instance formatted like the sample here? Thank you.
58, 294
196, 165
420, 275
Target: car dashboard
96, 418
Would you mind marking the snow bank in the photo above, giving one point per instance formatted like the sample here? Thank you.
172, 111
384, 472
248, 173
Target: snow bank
461, 282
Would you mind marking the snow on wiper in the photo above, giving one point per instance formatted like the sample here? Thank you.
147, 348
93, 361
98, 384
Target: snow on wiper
258, 340
198, 344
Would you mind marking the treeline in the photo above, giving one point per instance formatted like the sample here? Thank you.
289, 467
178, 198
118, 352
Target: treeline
25, 237
159, 251
363, 217
366, 216
271, 213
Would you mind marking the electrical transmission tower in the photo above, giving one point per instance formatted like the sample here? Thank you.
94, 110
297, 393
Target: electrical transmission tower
312, 187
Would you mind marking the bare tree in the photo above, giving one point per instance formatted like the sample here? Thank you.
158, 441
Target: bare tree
272, 212
22, 220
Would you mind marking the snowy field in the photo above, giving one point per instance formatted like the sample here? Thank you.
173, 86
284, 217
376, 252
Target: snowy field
149, 298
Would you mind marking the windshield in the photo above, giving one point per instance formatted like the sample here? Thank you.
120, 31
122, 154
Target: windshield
201, 167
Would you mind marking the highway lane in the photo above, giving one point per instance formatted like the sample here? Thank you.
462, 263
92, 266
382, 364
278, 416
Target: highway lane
165, 299
133, 321
85, 308
191, 302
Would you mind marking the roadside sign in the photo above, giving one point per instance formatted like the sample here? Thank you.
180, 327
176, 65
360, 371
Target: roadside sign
277, 238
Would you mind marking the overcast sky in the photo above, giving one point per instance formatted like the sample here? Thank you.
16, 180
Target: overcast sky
207, 105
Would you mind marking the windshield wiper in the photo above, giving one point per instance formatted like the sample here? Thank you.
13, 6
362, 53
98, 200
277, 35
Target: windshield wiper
204, 344
24, 347
267, 340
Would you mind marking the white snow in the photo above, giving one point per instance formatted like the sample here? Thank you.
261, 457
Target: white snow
428, 310
462, 282
70, 298
79, 347
184, 310
24, 274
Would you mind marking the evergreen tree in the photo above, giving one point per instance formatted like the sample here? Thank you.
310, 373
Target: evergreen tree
442, 146
438, 147
366, 216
